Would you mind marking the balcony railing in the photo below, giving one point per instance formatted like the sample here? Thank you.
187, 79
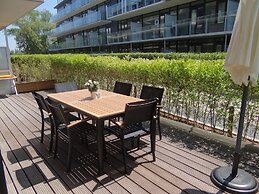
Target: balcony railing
92, 39
126, 6
204, 25
78, 22
70, 8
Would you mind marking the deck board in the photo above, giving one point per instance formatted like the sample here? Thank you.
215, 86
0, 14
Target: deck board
72, 178
21, 147
30, 168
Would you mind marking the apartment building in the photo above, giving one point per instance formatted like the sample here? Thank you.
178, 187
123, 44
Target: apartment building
94, 26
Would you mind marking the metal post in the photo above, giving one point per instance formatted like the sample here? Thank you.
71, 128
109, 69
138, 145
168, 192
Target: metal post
232, 179
225, 43
164, 46
8, 52
240, 130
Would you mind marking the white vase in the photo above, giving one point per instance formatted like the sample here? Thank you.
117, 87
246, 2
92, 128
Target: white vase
95, 95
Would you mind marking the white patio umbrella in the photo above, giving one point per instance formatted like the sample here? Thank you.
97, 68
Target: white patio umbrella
242, 63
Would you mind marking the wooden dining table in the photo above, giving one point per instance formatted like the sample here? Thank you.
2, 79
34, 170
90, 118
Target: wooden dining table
99, 110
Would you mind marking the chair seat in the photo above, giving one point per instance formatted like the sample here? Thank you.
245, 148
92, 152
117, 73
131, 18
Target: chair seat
71, 117
129, 132
78, 129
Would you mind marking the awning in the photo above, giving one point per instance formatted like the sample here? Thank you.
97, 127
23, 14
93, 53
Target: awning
12, 10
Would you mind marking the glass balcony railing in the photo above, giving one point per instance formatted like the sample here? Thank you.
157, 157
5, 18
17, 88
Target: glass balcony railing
70, 8
204, 25
92, 39
126, 6
78, 22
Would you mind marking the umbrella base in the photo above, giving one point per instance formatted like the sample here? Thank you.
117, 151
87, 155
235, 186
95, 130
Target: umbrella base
243, 182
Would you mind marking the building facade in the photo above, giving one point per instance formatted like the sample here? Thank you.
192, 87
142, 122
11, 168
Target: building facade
95, 26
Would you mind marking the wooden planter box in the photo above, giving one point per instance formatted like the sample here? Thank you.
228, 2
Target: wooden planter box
35, 86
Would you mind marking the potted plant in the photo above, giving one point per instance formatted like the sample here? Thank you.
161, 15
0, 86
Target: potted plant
93, 87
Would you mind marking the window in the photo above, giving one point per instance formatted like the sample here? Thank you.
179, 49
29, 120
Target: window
183, 21
136, 29
232, 7
221, 11
151, 27
210, 8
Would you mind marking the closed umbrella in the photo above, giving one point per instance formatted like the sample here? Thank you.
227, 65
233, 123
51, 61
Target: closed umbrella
242, 63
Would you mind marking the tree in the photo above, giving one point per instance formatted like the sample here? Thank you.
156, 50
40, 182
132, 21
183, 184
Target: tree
31, 32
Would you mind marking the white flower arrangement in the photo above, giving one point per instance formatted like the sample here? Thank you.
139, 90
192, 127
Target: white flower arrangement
92, 86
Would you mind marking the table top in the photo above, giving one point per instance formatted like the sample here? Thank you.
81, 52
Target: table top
109, 103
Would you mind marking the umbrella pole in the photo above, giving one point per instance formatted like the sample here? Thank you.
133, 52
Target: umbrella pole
232, 179
240, 130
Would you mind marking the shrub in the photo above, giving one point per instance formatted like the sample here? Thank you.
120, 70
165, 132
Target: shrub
197, 86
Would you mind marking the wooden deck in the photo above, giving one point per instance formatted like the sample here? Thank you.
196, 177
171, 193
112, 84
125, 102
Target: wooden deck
183, 164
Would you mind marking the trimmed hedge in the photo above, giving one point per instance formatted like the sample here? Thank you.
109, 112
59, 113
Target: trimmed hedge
198, 56
198, 90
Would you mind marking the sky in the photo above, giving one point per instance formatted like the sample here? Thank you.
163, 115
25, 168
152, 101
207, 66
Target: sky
47, 5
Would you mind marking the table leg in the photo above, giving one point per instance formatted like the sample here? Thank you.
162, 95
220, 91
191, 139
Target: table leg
14, 86
100, 134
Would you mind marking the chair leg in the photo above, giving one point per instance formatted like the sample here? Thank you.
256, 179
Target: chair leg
42, 126
159, 127
123, 154
138, 142
56, 145
85, 138
132, 142
69, 157
104, 148
153, 141
51, 136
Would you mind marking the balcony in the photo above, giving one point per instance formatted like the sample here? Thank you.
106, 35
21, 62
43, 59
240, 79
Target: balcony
208, 25
182, 29
91, 20
91, 39
133, 8
73, 9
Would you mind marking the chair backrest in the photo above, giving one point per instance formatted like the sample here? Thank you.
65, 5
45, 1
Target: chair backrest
122, 88
138, 112
150, 92
66, 86
40, 101
57, 113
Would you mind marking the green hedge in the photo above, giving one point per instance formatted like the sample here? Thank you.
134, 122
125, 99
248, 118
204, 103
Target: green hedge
196, 89
198, 56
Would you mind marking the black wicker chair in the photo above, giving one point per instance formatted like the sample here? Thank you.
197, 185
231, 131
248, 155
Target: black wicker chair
66, 86
131, 126
150, 92
122, 88
43, 108
46, 117
67, 129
